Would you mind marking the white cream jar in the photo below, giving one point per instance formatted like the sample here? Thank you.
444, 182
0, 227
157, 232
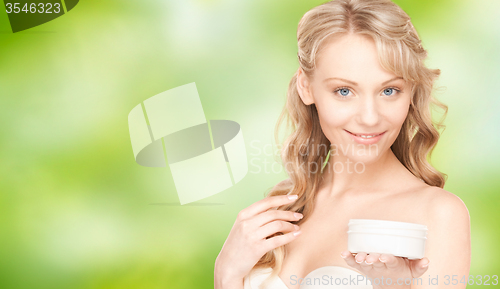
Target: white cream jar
387, 237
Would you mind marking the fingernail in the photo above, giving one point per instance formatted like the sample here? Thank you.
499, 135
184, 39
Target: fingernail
382, 260
297, 233
293, 197
342, 255
296, 227
359, 262
368, 263
423, 266
298, 215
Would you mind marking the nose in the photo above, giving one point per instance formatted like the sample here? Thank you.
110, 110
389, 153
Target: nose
369, 114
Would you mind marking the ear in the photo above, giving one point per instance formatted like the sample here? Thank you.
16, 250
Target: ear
303, 88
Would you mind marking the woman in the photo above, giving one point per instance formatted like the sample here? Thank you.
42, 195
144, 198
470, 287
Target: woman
363, 91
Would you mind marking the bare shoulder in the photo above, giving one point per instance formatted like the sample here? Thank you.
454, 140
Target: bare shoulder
448, 223
444, 203
444, 207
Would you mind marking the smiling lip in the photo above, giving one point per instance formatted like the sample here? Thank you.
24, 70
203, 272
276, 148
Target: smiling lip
364, 140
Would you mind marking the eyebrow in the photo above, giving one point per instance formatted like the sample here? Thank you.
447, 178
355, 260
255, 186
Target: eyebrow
354, 83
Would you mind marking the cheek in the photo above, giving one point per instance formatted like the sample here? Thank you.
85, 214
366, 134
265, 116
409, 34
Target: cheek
333, 116
399, 113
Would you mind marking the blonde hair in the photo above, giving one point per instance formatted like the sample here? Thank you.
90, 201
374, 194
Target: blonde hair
400, 52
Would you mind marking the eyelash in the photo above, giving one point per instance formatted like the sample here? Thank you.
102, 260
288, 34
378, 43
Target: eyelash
398, 91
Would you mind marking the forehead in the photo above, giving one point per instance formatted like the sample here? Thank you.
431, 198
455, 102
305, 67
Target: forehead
353, 57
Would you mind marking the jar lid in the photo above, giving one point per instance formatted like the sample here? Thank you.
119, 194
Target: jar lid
385, 224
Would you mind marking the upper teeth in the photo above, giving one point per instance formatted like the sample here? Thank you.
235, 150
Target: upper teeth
367, 136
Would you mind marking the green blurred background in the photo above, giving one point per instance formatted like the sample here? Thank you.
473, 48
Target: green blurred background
78, 212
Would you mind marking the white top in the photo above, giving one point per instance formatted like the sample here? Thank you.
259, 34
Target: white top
322, 278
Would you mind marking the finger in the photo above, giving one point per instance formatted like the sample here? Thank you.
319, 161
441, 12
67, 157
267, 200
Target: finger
274, 227
268, 216
274, 242
390, 261
265, 204
365, 267
374, 259
349, 259
360, 257
418, 267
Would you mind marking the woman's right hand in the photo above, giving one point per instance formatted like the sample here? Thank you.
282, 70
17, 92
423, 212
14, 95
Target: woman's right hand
247, 241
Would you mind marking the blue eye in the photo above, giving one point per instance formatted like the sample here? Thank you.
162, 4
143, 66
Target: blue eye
390, 91
344, 91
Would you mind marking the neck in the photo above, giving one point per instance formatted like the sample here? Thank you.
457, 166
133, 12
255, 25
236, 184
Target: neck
342, 174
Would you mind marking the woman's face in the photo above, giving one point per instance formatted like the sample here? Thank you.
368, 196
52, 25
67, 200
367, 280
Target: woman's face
355, 96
